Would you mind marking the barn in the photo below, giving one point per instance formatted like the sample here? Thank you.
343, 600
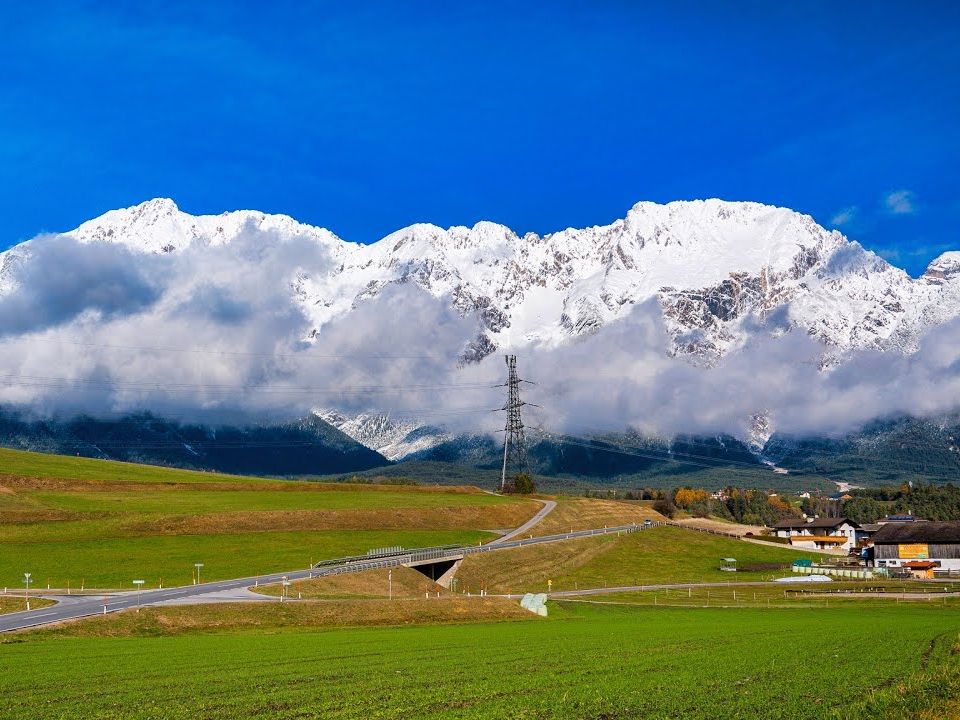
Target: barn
925, 549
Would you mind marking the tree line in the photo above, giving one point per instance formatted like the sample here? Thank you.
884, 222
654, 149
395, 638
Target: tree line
759, 507
927, 501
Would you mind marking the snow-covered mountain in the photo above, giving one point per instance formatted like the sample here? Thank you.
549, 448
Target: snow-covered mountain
394, 439
717, 269
712, 266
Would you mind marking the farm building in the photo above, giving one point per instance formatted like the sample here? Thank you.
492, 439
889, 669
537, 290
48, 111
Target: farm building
818, 533
925, 549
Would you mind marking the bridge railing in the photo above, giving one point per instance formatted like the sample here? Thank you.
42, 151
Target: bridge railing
382, 555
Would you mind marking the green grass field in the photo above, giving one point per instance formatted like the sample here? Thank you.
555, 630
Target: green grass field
18, 462
583, 662
101, 524
170, 558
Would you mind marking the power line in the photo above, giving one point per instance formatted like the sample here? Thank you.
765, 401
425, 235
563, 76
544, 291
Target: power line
60, 382
306, 354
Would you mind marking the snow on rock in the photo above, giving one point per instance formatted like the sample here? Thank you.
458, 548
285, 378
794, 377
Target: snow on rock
713, 266
394, 439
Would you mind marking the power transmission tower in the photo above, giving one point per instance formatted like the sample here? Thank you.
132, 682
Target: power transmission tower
514, 444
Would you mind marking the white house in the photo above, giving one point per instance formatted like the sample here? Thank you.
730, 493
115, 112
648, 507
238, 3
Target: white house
819, 533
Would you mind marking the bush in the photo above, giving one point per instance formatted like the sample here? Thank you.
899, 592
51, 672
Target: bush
665, 507
522, 484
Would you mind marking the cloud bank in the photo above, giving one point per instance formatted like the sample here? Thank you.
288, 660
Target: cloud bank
215, 331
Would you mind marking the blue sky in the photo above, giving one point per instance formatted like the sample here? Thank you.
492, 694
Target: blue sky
364, 117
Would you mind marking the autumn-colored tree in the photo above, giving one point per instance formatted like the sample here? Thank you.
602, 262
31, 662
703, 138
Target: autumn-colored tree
685, 497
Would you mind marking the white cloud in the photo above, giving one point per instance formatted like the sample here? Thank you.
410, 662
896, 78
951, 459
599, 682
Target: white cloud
237, 300
845, 216
900, 202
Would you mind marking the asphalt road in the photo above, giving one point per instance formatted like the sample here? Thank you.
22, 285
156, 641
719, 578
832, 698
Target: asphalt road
75, 606
548, 506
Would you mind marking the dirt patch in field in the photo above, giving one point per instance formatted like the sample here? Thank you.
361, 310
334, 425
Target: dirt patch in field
295, 615
439, 518
407, 583
589, 513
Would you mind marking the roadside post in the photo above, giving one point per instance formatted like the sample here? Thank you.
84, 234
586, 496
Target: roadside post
26, 580
198, 566
139, 584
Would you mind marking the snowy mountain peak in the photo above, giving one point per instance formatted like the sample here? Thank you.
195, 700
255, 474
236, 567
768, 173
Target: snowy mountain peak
159, 226
394, 439
945, 267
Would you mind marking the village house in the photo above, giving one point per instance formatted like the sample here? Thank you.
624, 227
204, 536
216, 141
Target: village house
818, 533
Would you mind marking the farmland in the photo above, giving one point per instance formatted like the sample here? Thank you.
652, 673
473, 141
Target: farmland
342, 649
100, 524
583, 661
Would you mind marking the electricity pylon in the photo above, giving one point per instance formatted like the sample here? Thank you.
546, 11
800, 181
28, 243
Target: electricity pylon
514, 443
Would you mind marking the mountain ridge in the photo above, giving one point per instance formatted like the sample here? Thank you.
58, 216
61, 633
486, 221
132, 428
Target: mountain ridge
713, 266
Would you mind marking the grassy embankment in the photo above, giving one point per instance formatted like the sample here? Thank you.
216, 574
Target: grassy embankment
657, 555
371, 584
584, 661
102, 524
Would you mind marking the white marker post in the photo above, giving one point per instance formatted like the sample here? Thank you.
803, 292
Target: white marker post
26, 580
283, 587
198, 566
139, 584
390, 582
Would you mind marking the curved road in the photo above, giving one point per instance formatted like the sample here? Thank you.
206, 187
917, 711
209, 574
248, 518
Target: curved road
548, 506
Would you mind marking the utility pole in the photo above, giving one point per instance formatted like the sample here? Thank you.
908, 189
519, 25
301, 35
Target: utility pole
514, 444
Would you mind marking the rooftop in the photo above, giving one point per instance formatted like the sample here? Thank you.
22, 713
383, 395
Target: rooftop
819, 523
921, 532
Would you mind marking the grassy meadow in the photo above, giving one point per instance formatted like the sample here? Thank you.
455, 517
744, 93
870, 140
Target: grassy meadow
585, 661
658, 555
101, 524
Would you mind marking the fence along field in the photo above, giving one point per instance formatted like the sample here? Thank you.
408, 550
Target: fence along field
101, 524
